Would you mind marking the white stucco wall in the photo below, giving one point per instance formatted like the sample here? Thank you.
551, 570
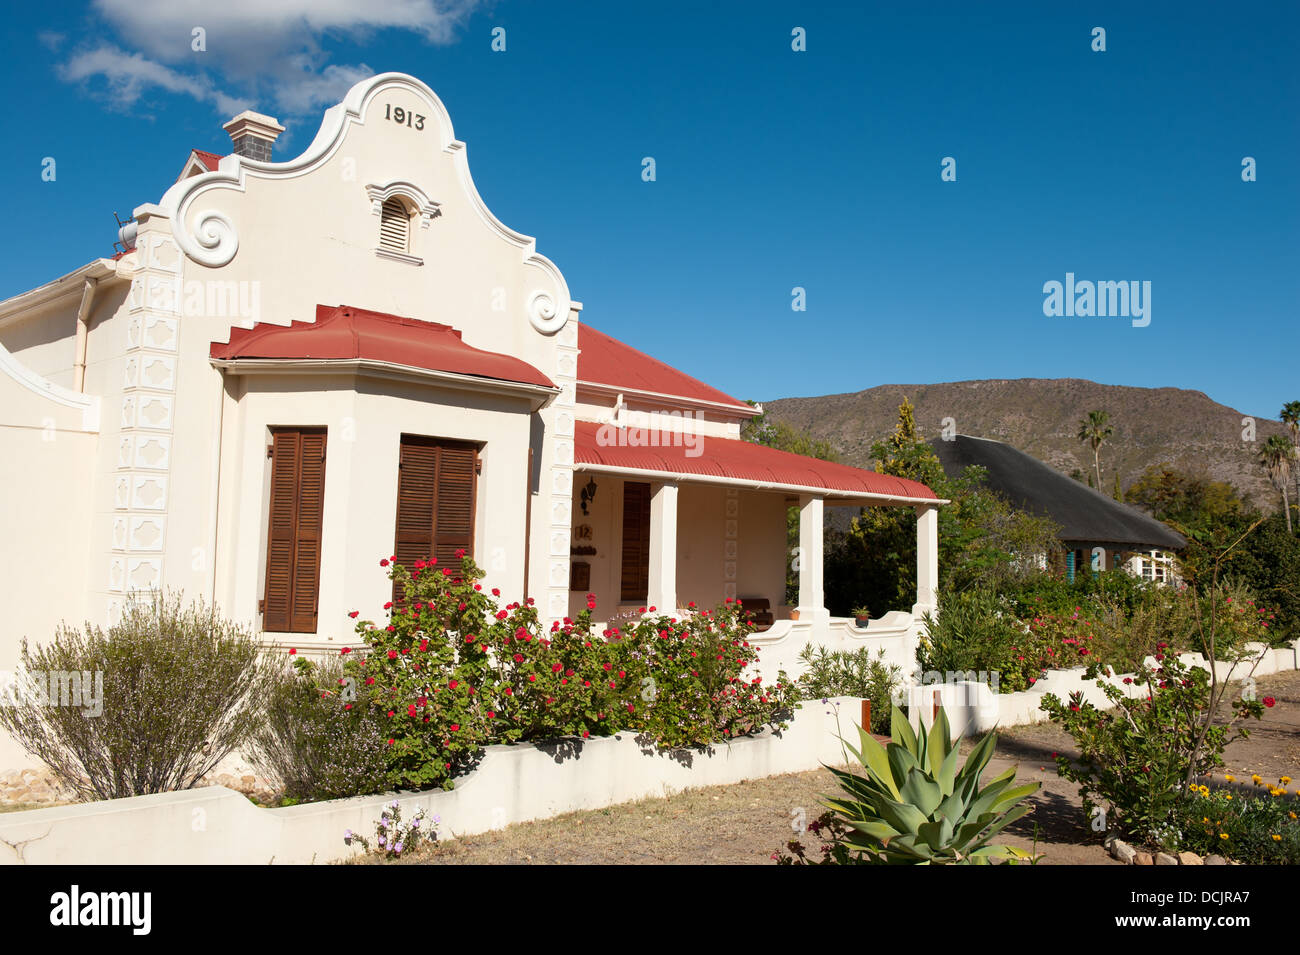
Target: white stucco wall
365, 421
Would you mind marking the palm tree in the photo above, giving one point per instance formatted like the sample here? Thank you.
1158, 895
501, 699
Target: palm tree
1291, 418
1095, 429
1276, 455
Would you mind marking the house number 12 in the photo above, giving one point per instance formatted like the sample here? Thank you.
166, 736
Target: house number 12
403, 117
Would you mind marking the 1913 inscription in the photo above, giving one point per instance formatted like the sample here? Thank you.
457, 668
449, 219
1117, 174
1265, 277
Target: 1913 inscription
403, 117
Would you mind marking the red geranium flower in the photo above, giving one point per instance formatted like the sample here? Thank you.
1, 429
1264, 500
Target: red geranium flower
1269, 701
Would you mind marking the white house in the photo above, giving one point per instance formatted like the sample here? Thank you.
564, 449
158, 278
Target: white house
300, 367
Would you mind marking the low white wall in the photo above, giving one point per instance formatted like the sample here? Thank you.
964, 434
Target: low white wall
973, 707
511, 784
896, 633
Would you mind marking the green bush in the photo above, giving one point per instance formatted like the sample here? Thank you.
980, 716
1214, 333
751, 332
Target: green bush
851, 673
168, 692
315, 743
975, 632
1137, 758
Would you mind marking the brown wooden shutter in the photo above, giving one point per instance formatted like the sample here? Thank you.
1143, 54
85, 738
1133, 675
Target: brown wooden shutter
636, 541
436, 490
293, 549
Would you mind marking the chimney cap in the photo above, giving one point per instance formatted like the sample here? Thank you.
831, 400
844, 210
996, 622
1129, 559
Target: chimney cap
249, 123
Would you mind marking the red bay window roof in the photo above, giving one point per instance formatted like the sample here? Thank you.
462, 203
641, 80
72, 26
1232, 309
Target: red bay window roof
344, 333
614, 365
731, 461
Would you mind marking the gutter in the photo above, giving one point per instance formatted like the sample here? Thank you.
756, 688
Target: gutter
22, 305
83, 333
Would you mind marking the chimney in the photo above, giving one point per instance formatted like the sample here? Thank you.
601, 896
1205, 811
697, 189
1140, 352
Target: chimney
253, 135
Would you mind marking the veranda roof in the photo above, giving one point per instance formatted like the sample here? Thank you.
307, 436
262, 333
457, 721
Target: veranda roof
655, 454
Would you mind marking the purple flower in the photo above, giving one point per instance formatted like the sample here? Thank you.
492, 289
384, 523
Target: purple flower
398, 848
347, 836
415, 823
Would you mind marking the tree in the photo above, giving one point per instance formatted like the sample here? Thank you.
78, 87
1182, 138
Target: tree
1291, 418
1096, 430
982, 539
1276, 455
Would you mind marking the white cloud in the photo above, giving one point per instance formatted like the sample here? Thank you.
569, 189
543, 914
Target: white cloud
126, 75
268, 55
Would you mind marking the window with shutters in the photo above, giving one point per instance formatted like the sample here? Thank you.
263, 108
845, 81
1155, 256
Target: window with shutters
293, 544
437, 483
395, 226
636, 541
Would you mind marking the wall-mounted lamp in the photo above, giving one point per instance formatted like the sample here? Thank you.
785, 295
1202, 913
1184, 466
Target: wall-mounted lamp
588, 494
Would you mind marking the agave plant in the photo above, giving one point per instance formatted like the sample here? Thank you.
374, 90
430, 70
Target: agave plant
914, 806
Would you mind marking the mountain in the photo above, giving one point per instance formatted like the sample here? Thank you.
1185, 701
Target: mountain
1040, 416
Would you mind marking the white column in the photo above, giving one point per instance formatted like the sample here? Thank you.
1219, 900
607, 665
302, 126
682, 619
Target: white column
663, 549
812, 598
927, 558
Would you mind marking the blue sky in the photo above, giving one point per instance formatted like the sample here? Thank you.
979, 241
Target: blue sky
774, 168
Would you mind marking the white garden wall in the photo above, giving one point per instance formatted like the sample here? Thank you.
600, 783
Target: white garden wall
511, 784
972, 707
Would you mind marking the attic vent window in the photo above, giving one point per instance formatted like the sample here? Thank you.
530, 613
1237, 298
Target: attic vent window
399, 205
394, 226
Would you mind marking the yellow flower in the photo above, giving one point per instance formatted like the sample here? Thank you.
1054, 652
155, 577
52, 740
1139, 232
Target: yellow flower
1276, 837
1223, 835
1285, 780
1256, 779
1230, 778
1207, 818
1291, 814
1229, 795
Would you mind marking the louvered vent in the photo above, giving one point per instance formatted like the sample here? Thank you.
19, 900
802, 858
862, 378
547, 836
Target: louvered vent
394, 226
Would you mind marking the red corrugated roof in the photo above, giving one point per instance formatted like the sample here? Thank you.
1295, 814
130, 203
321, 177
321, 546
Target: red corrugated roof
608, 361
731, 458
342, 332
211, 160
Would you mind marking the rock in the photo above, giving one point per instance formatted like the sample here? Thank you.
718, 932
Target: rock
1215, 860
1189, 858
1143, 858
1121, 850
1164, 858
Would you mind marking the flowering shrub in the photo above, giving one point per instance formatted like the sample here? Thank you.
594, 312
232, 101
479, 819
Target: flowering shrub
424, 672
392, 836
452, 671
1257, 830
1137, 759
686, 679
